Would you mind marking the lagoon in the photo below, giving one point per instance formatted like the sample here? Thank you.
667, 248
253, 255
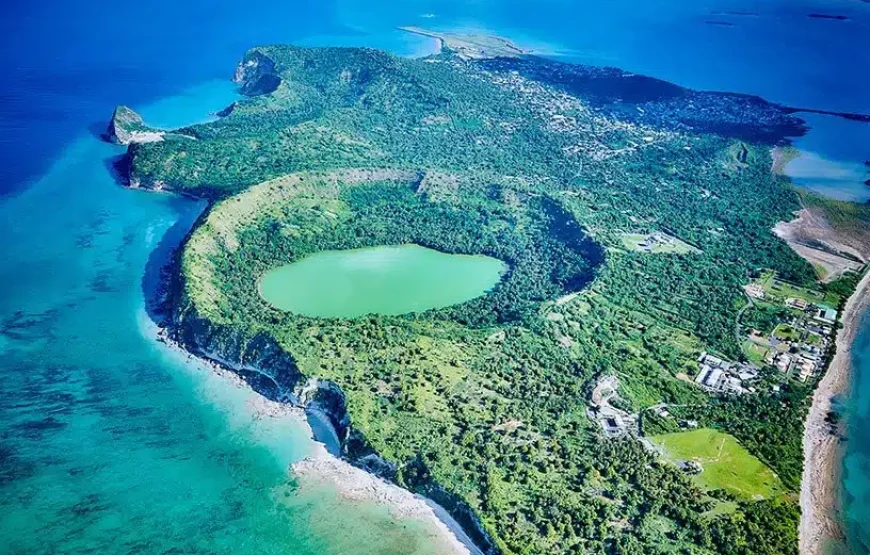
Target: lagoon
388, 280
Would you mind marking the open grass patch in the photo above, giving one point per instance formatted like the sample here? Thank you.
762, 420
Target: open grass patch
721, 508
784, 332
656, 243
754, 352
781, 289
725, 463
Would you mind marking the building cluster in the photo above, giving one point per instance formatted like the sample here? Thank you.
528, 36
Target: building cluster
721, 376
802, 365
803, 357
614, 421
655, 239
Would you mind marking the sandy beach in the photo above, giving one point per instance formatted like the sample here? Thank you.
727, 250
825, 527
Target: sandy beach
820, 485
352, 483
357, 485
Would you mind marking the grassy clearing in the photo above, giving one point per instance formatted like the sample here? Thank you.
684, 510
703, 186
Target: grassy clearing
721, 508
656, 243
778, 289
784, 332
726, 464
755, 352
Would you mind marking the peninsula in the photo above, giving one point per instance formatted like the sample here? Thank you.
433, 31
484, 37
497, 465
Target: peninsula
632, 373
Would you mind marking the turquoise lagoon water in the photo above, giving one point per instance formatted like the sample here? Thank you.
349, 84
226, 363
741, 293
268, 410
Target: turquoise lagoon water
112, 442
832, 160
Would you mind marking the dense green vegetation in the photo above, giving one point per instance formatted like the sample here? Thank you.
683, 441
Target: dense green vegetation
488, 399
844, 286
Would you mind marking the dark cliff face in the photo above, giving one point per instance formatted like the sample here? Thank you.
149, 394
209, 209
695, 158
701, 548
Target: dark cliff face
263, 364
270, 371
256, 74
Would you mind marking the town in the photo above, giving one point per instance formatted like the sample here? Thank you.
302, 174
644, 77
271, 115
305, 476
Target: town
794, 346
797, 344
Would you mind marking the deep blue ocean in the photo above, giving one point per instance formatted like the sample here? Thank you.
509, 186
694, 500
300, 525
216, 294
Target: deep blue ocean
110, 443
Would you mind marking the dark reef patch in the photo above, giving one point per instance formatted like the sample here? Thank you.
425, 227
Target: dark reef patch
36, 430
13, 467
23, 326
828, 16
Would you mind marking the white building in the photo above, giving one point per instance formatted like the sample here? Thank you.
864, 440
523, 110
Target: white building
826, 315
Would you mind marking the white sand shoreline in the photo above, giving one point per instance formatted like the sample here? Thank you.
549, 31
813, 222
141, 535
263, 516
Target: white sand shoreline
820, 483
352, 483
357, 485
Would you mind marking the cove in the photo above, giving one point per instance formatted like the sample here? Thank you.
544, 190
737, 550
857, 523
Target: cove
387, 280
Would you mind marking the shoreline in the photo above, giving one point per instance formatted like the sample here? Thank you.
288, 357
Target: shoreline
470, 46
820, 484
356, 485
323, 466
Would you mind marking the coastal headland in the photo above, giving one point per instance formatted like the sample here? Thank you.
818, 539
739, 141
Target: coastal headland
472, 46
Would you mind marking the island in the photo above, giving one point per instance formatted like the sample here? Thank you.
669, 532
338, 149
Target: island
631, 361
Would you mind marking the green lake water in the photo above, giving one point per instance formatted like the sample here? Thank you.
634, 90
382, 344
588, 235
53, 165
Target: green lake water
381, 280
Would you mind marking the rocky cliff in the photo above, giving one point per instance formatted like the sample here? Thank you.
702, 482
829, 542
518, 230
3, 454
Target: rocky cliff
272, 372
263, 364
256, 74
126, 126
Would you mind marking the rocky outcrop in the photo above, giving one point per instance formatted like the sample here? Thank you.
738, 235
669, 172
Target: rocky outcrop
256, 74
258, 359
272, 372
226, 111
328, 399
126, 126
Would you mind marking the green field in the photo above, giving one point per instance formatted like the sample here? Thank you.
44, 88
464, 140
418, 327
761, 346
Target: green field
666, 245
726, 464
784, 332
782, 290
755, 352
